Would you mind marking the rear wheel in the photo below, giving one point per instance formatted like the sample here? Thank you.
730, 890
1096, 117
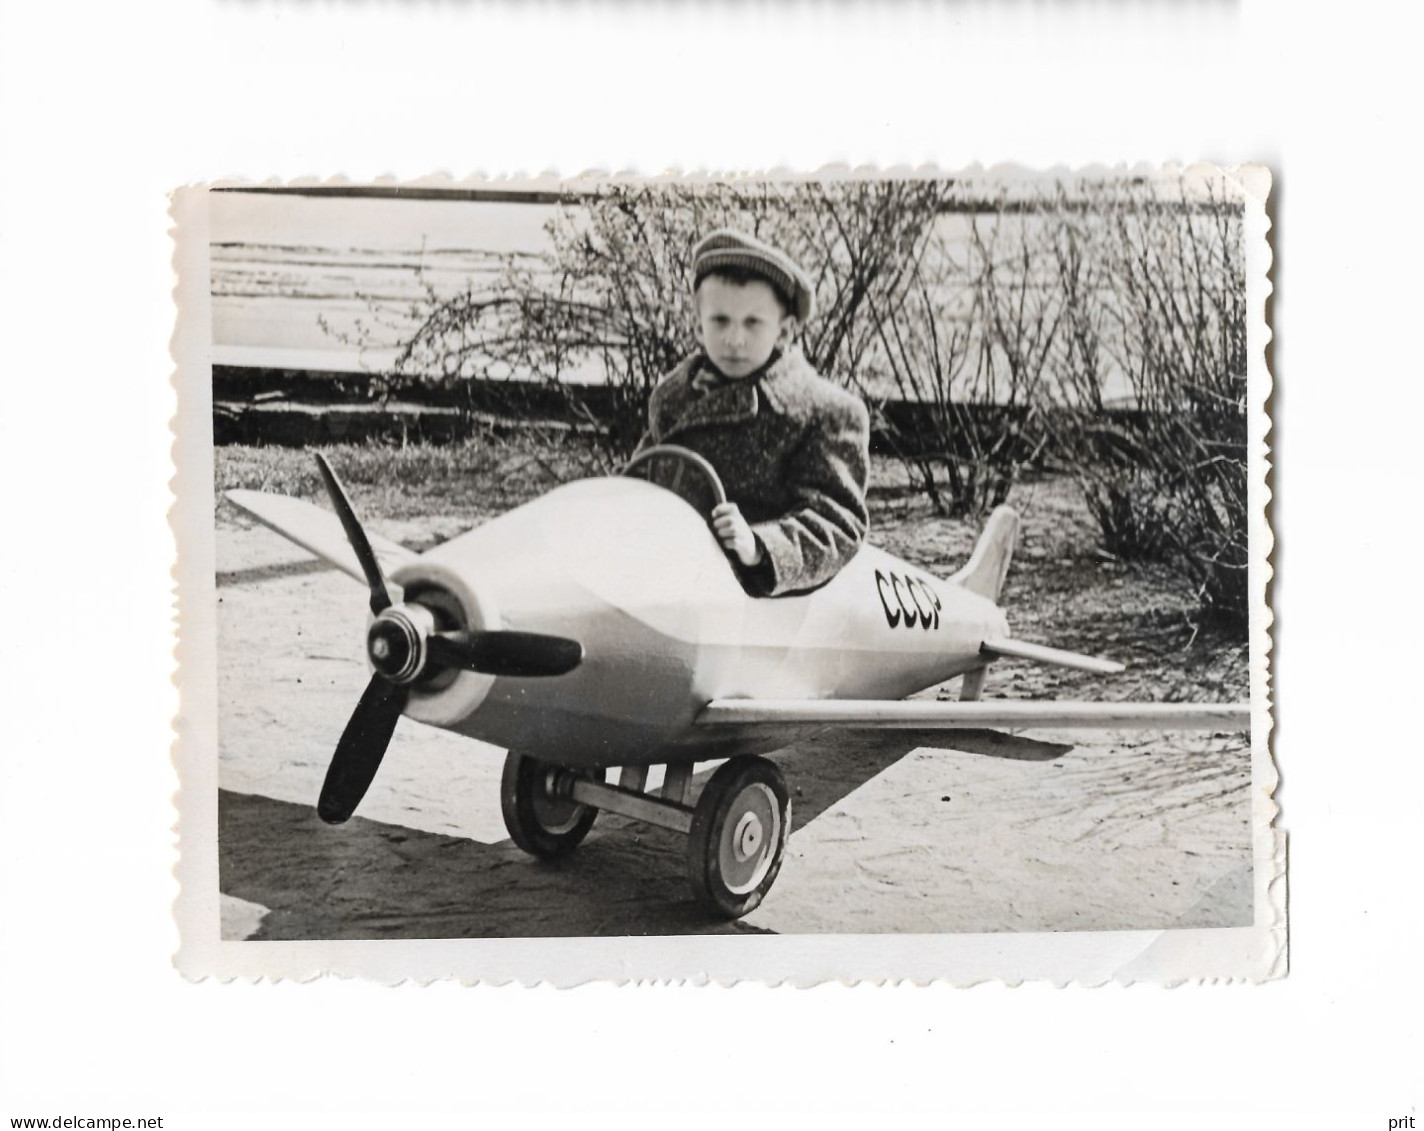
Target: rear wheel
738, 836
540, 821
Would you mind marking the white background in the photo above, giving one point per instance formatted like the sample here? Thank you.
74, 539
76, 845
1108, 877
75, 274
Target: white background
107, 107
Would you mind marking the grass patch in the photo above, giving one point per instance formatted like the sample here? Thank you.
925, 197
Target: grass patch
470, 479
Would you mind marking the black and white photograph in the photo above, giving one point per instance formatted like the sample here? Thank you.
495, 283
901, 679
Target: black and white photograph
644, 565
794, 556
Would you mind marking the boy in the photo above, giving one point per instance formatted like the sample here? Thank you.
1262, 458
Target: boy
791, 448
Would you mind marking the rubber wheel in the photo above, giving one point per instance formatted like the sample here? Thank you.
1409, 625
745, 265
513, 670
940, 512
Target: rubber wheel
540, 823
738, 837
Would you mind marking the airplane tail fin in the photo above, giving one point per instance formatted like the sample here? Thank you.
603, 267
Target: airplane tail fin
987, 567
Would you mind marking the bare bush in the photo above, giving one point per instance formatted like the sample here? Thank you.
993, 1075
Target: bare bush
968, 346
613, 294
1153, 280
1100, 323
611, 298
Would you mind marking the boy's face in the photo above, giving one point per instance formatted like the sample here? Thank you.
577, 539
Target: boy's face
740, 324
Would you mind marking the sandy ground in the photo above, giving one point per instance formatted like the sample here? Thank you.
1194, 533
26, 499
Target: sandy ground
892, 831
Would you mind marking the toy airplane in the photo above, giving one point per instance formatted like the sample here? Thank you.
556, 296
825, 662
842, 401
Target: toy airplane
601, 626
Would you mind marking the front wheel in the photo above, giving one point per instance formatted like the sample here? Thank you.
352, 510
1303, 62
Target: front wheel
738, 837
538, 819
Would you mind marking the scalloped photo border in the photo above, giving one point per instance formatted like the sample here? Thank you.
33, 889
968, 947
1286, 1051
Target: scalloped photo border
1166, 957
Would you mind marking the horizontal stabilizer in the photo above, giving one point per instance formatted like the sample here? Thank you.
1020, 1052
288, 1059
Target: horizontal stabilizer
1041, 654
318, 531
949, 715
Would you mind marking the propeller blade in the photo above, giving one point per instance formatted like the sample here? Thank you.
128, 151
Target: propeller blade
359, 753
380, 599
505, 653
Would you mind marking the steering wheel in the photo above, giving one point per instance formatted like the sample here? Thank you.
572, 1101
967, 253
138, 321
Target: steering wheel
667, 465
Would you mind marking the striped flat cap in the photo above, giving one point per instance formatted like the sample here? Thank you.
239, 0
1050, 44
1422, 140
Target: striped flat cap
728, 248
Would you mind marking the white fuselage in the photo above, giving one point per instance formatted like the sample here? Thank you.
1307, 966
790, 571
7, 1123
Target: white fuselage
632, 572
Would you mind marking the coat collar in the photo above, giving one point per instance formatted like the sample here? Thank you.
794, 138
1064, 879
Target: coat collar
732, 402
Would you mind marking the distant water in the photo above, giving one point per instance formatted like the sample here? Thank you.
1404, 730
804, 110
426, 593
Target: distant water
270, 300
283, 264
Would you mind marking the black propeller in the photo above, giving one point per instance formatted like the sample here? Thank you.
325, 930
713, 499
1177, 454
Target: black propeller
403, 646
362, 746
380, 599
505, 653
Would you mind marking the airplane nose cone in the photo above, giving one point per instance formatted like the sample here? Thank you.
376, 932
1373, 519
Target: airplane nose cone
395, 643
390, 648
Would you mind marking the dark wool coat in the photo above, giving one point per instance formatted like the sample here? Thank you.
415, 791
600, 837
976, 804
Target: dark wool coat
792, 450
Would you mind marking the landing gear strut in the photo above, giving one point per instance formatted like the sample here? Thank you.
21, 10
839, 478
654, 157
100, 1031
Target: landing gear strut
736, 832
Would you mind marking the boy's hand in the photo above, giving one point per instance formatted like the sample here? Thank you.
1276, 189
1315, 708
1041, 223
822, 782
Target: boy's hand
735, 534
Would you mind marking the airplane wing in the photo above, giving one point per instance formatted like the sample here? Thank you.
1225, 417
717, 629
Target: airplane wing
318, 531
1042, 654
1013, 714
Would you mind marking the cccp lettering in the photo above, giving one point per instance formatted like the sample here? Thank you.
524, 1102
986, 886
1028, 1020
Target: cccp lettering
922, 608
